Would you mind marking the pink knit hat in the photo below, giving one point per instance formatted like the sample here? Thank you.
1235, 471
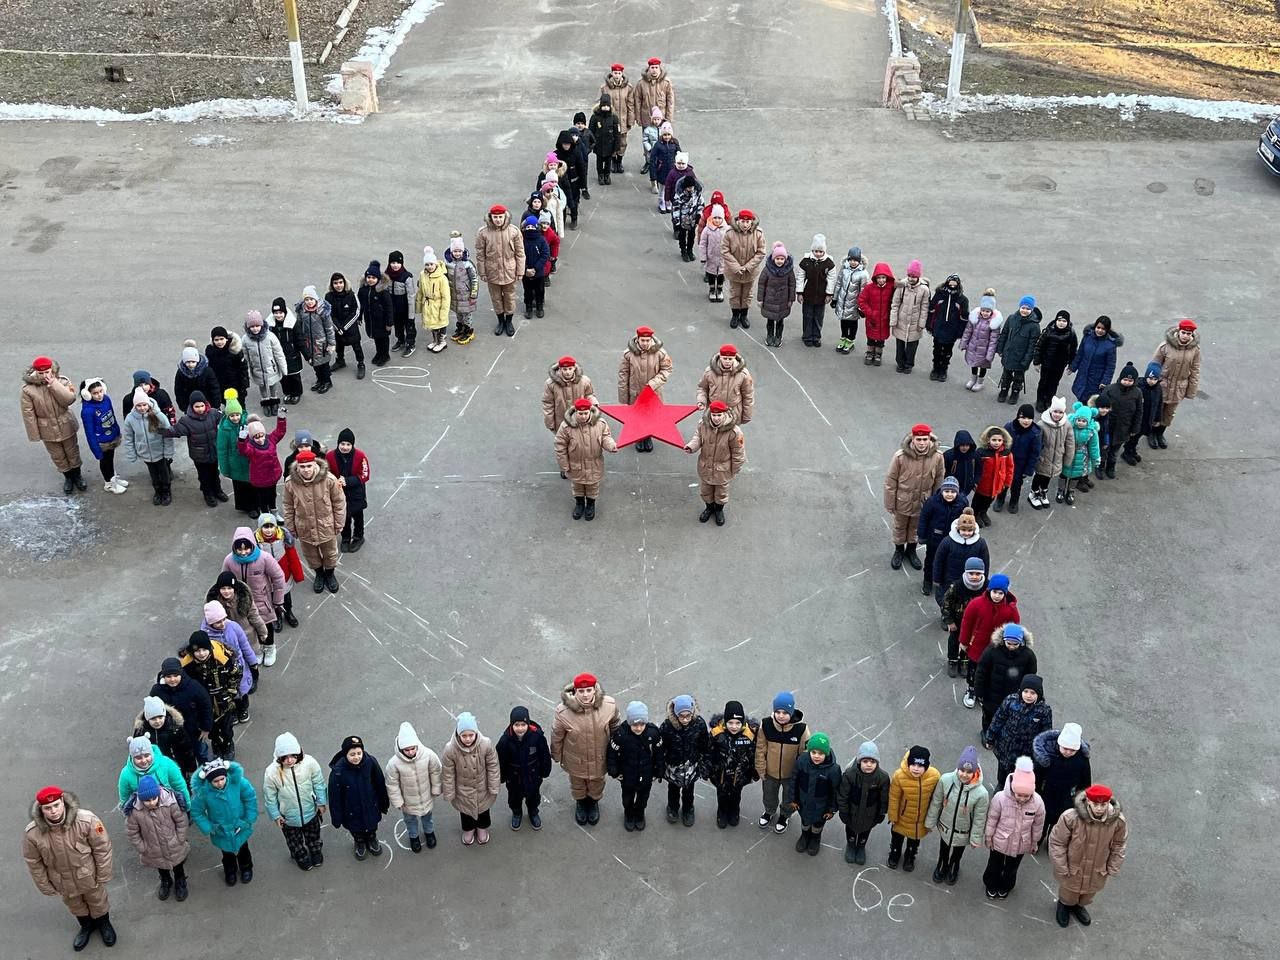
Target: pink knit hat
552, 158
1024, 779
914, 269
214, 611
779, 248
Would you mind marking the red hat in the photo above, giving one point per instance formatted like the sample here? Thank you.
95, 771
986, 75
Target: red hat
566, 361
718, 406
617, 66
42, 363
305, 456
48, 794
1098, 793
922, 430
655, 61
496, 209
728, 350
582, 403
745, 214
644, 331
1182, 325
584, 681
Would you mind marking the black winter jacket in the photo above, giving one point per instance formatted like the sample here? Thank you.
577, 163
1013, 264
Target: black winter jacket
965, 467
191, 700
1126, 412
936, 516
1000, 672
604, 128
1015, 727
948, 313
357, 795
1055, 349
635, 759
201, 434
344, 308
1018, 339
683, 748
862, 799
231, 366
204, 380
524, 762
1152, 399
173, 739
951, 555
1059, 778
730, 759
375, 307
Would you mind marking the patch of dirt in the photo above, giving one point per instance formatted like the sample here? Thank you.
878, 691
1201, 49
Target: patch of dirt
1092, 123
244, 28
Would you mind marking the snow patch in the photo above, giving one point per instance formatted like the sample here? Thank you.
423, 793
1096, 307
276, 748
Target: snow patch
381, 43
268, 108
1127, 105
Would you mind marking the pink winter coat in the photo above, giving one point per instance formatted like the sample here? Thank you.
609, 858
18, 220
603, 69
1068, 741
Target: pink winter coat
264, 462
1013, 828
263, 576
711, 249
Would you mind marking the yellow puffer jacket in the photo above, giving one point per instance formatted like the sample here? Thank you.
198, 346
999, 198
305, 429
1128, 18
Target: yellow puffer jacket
909, 800
432, 302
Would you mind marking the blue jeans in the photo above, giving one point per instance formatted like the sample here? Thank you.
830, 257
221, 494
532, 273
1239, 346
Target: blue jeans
414, 823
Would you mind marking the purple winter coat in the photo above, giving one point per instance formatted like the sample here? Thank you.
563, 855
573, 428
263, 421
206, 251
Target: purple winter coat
232, 636
262, 574
674, 177
980, 338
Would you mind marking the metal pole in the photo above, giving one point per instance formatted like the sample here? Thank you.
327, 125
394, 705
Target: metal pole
295, 55
958, 38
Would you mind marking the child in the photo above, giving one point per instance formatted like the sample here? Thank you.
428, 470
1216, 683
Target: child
145, 758
404, 296
554, 201
295, 795
145, 440
1152, 398
267, 362
1126, 419
200, 426
875, 301
302, 440
565, 383
165, 727
936, 518
727, 378
157, 827
662, 159
237, 604
582, 439
1017, 347
649, 136
1095, 360
948, 314
413, 777
1006, 663
231, 462
1101, 403
574, 180
717, 200
782, 736
1055, 349
956, 599
721, 452
374, 298
263, 574
358, 797
776, 291
812, 790
553, 168
259, 448
911, 790
227, 360
345, 310
645, 363
218, 625
1057, 448
958, 808
279, 543
980, 338
464, 287
351, 467
219, 671
1015, 822
961, 461
585, 142
983, 617
285, 328
1179, 358
316, 337
553, 245
1019, 719
224, 807
680, 168
684, 214
524, 761
862, 801
915, 472
431, 300
604, 131
961, 544
635, 759
143, 379
850, 279
102, 431
618, 87
536, 257
1086, 457
908, 316
730, 761
996, 455
194, 373
1028, 439
815, 282
744, 253
684, 749
471, 778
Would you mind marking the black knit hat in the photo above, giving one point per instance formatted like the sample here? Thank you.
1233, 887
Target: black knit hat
733, 711
519, 714
346, 435
199, 639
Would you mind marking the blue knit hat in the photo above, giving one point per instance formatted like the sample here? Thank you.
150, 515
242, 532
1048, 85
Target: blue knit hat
1153, 369
1013, 633
637, 712
785, 701
148, 787
987, 303
682, 703
467, 721
1028, 301
999, 582
949, 483
975, 563
531, 223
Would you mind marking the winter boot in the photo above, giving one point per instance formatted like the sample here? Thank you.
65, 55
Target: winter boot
1061, 495
876, 360
1063, 914
815, 843
998, 505
895, 857
510, 325
86, 930
673, 815
850, 853
981, 382
1001, 397
869, 357
953, 874
331, 580
909, 859
593, 814
108, 932
67, 483
705, 515
1082, 915
501, 326
860, 854
1013, 395
580, 812
940, 871
180, 889
339, 364
528, 311
719, 514
895, 561
1130, 458
1160, 441
1013, 504
78, 480
579, 507
617, 165
803, 841
910, 554
415, 844
926, 586
590, 512
1069, 496
745, 323
1153, 439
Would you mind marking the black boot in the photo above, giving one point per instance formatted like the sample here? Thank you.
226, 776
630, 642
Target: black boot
319, 584
850, 853
590, 513
339, 364
954, 873
896, 560
719, 514
895, 857
180, 889
1013, 504
803, 841
909, 859
331, 580
705, 515
1082, 915
501, 326
106, 930
860, 854
1160, 441
67, 483
166, 887
1152, 441
360, 371
82, 937
910, 554
940, 871
510, 325
78, 480
1063, 914
579, 507
617, 165
593, 814
998, 506
580, 812
926, 586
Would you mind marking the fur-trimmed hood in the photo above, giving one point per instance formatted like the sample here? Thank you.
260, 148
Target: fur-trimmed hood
571, 702
557, 378
1044, 748
731, 420
1082, 808
1170, 337
990, 432
997, 635
908, 451
244, 598
634, 346
671, 711
69, 800
34, 378
570, 419
321, 472
498, 221
140, 722
613, 84
739, 364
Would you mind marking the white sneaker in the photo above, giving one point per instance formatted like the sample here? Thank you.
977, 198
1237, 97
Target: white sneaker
969, 699
116, 485
109, 486
982, 382
269, 655
121, 481
1033, 498
969, 383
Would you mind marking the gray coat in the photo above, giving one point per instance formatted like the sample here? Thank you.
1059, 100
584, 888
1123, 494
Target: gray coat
143, 443
850, 279
316, 337
267, 364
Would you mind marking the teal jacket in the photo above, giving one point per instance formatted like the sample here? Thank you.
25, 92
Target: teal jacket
1087, 456
225, 816
162, 768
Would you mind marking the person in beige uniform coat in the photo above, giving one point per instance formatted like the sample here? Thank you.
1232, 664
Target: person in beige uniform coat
743, 255
46, 413
1086, 847
915, 472
621, 92
499, 260
581, 443
584, 719
644, 364
721, 451
315, 508
727, 378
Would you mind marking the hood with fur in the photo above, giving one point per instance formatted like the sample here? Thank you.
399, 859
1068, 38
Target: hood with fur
990, 432
571, 702
634, 346
739, 364
69, 800
321, 473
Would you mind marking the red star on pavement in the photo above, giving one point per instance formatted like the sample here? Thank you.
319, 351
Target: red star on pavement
649, 417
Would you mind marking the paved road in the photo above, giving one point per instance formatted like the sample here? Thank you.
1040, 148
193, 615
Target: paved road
476, 586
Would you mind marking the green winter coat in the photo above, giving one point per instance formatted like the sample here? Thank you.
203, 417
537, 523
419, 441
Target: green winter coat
225, 816
162, 768
231, 462
959, 810
1087, 455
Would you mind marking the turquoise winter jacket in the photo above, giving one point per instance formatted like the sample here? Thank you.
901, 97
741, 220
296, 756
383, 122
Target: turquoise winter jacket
225, 816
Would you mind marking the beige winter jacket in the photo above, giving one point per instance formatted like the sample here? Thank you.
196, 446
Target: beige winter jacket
1179, 366
580, 735
721, 450
413, 785
314, 511
1057, 447
623, 97
910, 309
46, 407
160, 834
499, 251
470, 775
580, 449
743, 251
69, 858
558, 394
912, 477
642, 368
734, 386
1085, 852
649, 93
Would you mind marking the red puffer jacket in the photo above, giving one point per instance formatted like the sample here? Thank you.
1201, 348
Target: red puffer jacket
982, 617
875, 301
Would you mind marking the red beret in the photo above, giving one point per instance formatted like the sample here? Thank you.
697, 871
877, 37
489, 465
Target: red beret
728, 350
566, 361
654, 61
305, 456
1182, 325
745, 214
1098, 793
42, 363
644, 331
617, 66
584, 681
49, 794
922, 430
718, 406
497, 208
582, 403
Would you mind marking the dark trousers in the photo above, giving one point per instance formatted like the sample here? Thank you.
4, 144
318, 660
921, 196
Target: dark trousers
988, 711
241, 859
602, 164
482, 822
535, 292
1001, 874
849, 327
210, 481
161, 475
179, 873
1015, 380
1047, 387
353, 527
979, 372
400, 322
981, 503
357, 347
572, 190
517, 794
264, 499
953, 648
775, 327
635, 797
905, 353
1040, 482
1003, 772
107, 465
242, 495
303, 841
949, 856
930, 548
685, 237
728, 799
381, 349
812, 314
679, 797
896, 841
221, 737
856, 839
322, 373
942, 355
291, 384
1015, 488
